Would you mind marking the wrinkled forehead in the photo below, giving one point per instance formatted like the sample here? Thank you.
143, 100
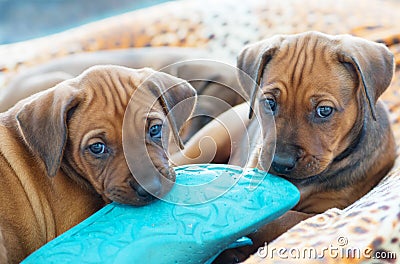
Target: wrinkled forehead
112, 85
311, 51
308, 64
111, 75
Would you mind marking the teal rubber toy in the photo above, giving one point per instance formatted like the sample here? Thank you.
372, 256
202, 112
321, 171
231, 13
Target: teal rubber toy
211, 207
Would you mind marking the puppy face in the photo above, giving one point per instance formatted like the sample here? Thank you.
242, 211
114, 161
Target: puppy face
320, 89
83, 119
315, 110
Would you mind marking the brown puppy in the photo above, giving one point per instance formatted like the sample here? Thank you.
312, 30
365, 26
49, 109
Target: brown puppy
333, 138
62, 157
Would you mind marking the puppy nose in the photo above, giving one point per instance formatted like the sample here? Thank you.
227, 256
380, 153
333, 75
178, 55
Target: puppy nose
152, 188
283, 164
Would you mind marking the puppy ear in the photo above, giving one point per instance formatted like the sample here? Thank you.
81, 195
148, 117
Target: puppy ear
177, 94
251, 63
42, 123
373, 64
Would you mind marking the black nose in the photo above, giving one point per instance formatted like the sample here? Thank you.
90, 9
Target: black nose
151, 189
283, 164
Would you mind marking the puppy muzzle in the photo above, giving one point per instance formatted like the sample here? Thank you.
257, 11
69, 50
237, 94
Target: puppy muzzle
283, 164
152, 189
285, 159
155, 186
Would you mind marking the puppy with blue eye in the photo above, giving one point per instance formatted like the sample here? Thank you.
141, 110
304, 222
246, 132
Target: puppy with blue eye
333, 137
64, 153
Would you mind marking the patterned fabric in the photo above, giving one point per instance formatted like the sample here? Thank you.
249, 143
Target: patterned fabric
370, 227
222, 27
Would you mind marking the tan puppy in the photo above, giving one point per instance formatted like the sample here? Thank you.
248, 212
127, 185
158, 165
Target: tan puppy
62, 158
333, 138
332, 131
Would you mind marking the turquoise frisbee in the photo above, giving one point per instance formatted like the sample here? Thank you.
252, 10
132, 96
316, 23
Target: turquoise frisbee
209, 209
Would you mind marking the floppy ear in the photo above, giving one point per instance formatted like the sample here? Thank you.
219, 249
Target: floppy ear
373, 64
251, 63
43, 124
174, 94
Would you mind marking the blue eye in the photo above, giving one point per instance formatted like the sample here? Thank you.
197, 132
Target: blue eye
155, 131
97, 148
324, 111
271, 103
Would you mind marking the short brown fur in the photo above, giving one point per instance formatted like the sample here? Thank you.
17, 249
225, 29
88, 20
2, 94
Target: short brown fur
50, 181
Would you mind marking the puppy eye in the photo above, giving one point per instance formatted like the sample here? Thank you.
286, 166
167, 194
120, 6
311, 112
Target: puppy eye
271, 103
97, 148
324, 111
155, 131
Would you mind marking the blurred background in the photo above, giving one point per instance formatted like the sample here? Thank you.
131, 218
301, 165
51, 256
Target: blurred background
25, 19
